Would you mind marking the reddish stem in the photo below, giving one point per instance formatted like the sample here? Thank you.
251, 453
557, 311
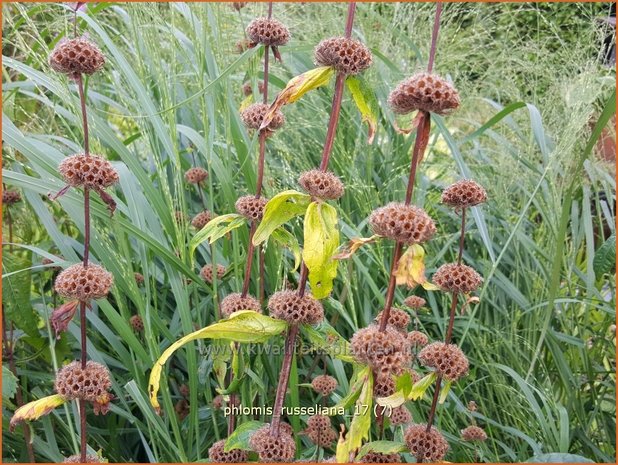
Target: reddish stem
82, 100
250, 254
262, 266
434, 37
332, 123
10, 221
284, 378
462, 236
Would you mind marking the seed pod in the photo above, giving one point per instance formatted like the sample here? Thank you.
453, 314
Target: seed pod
201, 219
379, 457
90, 458
397, 318
447, 360
251, 207
324, 384
291, 307
425, 446
196, 175
137, 323
76, 56
270, 448
235, 302
139, 278
463, 194
425, 92
454, 277
91, 384
217, 454
321, 184
473, 433
347, 56
417, 339
253, 115
403, 223
320, 431
414, 302
92, 171
268, 32
207, 272
400, 416
383, 386
10, 197
84, 283
385, 351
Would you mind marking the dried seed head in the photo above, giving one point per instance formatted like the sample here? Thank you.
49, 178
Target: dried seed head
472, 406
385, 351
397, 318
401, 222
473, 433
400, 416
90, 458
320, 431
248, 90
84, 283
253, 115
239, 5
321, 184
90, 171
217, 454
425, 446
379, 457
454, 277
242, 46
207, 272
181, 217
463, 194
217, 402
324, 384
139, 278
273, 449
236, 302
201, 219
415, 302
196, 175
182, 409
268, 32
383, 386
184, 391
251, 207
137, 323
91, 384
76, 56
426, 92
447, 360
291, 307
347, 56
10, 197
417, 339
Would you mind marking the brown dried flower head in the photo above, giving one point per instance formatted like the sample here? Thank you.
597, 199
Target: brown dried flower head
181, 407
137, 323
400, 416
320, 431
239, 5
76, 56
84, 283
217, 402
414, 302
383, 386
473, 433
184, 391
463, 194
405, 223
397, 318
426, 92
324, 384
472, 406
385, 351
139, 278
10, 197
321, 184
347, 56
425, 446
90, 171
253, 115
379, 457
418, 339
454, 277
248, 90
196, 175
207, 272
251, 207
242, 46
201, 219
268, 32
90, 458
291, 307
447, 360
270, 448
91, 384
217, 454
236, 302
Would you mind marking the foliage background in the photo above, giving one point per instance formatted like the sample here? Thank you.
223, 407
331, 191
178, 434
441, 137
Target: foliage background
543, 375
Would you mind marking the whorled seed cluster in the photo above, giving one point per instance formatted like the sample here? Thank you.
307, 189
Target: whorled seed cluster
404, 223
217, 454
454, 277
463, 194
321, 184
397, 318
347, 56
207, 272
248, 90
473, 433
251, 207
426, 92
291, 307
425, 446
253, 115
414, 302
84, 283
270, 448
385, 351
320, 431
400, 416
137, 323
91, 384
76, 56
418, 339
383, 386
324, 384
10, 197
90, 458
267, 31
201, 219
196, 175
218, 402
447, 360
379, 457
139, 278
90, 171
236, 302
180, 217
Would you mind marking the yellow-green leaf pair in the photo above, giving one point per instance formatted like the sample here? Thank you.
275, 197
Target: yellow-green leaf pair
361, 422
36, 409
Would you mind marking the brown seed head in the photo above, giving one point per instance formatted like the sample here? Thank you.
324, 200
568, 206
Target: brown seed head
10, 197
425, 446
472, 406
473, 433
235, 302
90, 458
453, 277
414, 302
447, 360
320, 431
91, 384
242, 46
248, 90
417, 339
273, 449
217, 454
385, 351
405, 223
321, 184
383, 386
137, 323
90, 171
181, 217
426, 92
76, 56
139, 278
379, 457
84, 283
196, 175
207, 272
347, 56
253, 115
251, 207
239, 5
184, 391
181, 407
397, 318
217, 402
290, 307
268, 32
400, 416
463, 194
201, 219
324, 384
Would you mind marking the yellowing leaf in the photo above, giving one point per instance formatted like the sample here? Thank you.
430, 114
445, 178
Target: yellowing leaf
243, 326
288, 240
361, 422
444, 392
365, 101
248, 100
356, 386
296, 88
216, 228
36, 409
382, 447
411, 268
392, 401
321, 242
279, 210
351, 247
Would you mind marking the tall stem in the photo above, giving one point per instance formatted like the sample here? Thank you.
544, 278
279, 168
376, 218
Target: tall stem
10, 222
284, 378
434, 37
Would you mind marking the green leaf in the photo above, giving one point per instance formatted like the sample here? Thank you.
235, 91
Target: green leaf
321, 243
353, 393
444, 392
278, 211
366, 103
404, 383
325, 338
605, 257
361, 422
419, 388
9, 384
241, 436
288, 240
16, 283
216, 229
393, 401
559, 458
221, 353
382, 447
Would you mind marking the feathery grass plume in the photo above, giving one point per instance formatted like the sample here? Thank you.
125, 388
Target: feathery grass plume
84, 283
280, 448
251, 207
347, 56
397, 319
217, 454
196, 175
207, 272
91, 384
236, 302
324, 384
402, 223
464, 194
75, 57
455, 277
268, 31
426, 92
294, 308
447, 360
385, 351
424, 445
321, 184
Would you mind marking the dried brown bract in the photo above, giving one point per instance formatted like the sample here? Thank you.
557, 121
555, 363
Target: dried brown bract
473, 433
347, 56
84, 283
379, 457
321, 184
253, 115
10, 197
90, 458
139, 278
404, 223
418, 339
201, 219
383, 386
92, 171
320, 431
397, 318
137, 323
415, 302
426, 92
270, 448
207, 272
400, 416
236, 302
91, 384
76, 56
454, 277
